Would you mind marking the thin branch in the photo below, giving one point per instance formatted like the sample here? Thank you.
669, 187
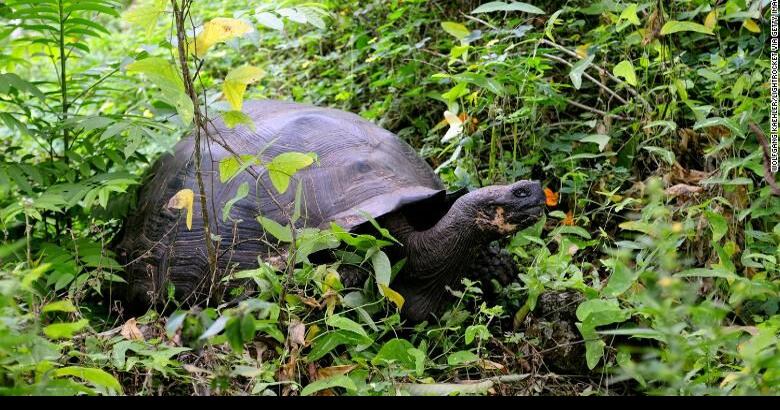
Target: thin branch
596, 110
589, 77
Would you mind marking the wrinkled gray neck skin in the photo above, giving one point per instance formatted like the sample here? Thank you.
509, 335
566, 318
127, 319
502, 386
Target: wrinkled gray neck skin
436, 257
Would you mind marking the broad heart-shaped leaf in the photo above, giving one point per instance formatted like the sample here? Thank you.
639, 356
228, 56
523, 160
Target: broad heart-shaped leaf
336, 381
625, 69
718, 225
674, 26
392, 295
457, 30
578, 69
395, 351
94, 376
285, 165
164, 75
461, 357
501, 6
231, 166
599, 312
183, 199
241, 193
275, 229
64, 330
629, 14
236, 82
218, 30
146, 14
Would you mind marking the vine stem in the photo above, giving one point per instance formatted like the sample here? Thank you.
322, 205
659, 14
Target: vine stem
189, 88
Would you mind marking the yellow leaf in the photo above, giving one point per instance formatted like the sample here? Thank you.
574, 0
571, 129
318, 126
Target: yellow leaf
582, 51
711, 19
183, 200
218, 30
145, 14
394, 296
236, 82
751, 25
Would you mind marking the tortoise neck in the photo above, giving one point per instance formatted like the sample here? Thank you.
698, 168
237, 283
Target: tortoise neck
438, 257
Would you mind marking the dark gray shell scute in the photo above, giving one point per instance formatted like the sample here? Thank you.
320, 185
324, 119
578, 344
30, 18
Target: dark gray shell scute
361, 169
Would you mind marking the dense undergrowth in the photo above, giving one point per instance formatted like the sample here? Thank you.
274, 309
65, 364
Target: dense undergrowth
655, 270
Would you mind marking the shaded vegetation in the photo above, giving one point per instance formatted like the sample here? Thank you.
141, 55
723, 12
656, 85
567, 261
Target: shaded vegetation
655, 270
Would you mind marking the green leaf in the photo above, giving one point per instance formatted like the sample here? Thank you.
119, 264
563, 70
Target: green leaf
462, 357
600, 139
625, 69
344, 323
456, 30
594, 346
335, 381
276, 230
216, 327
718, 225
665, 154
501, 6
382, 269
285, 165
146, 14
59, 306
235, 118
331, 340
235, 84
395, 351
269, 20
629, 14
674, 26
65, 330
599, 312
230, 166
474, 331
164, 75
95, 376
622, 278
705, 273
241, 193
578, 69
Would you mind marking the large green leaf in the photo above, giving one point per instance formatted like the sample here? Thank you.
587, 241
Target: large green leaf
285, 165
501, 6
674, 26
164, 75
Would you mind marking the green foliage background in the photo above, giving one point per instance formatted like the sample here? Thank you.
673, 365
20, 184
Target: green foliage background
636, 114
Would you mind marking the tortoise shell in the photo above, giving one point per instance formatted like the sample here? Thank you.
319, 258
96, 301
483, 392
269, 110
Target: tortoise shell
361, 169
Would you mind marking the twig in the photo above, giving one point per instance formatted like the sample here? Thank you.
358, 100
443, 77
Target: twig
770, 179
589, 77
600, 70
478, 20
596, 110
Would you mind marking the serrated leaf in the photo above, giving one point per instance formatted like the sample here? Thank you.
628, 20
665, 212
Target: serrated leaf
219, 30
625, 69
501, 6
674, 26
183, 199
456, 30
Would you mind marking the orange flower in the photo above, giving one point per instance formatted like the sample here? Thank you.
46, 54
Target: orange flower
551, 198
569, 220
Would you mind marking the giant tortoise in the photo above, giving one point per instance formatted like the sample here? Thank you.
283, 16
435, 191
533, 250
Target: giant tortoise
362, 171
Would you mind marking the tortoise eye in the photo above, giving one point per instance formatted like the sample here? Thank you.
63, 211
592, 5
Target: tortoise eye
521, 192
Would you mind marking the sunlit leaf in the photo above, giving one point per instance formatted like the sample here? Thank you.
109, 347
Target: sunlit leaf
625, 69
183, 199
392, 295
674, 26
235, 84
145, 14
164, 75
751, 26
285, 165
456, 30
219, 30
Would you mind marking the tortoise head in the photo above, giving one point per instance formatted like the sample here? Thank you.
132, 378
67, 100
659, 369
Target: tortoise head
502, 210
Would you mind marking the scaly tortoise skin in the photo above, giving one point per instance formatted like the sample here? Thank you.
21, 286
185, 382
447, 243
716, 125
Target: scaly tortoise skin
361, 169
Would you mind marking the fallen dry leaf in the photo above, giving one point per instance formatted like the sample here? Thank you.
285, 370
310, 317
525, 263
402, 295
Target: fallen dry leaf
296, 333
130, 330
332, 371
683, 190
